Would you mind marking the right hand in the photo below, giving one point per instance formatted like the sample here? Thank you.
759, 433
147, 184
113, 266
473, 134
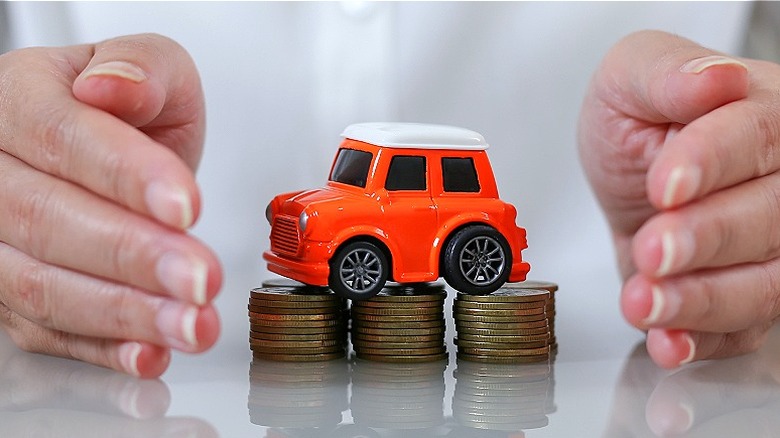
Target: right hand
98, 149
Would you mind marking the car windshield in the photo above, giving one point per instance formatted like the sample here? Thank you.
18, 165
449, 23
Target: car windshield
351, 167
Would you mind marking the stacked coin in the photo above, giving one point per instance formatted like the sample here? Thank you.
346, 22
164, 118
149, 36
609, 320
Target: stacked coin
501, 397
549, 287
400, 324
300, 395
297, 324
508, 326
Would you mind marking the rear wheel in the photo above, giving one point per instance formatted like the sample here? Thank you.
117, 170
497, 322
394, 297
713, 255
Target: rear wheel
358, 271
477, 260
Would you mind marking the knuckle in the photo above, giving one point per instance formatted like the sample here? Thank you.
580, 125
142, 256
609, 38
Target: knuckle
31, 291
56, 130
30, 213
125, 250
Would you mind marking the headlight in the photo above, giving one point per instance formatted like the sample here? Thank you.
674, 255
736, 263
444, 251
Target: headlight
269, 214
303, 219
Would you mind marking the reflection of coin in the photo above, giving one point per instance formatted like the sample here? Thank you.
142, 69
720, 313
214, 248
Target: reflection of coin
402, 359
498, 313
502, 360
467, 332
298, 357
358, 311
507, 295
502, 325
359, 323
465, 343
499, 319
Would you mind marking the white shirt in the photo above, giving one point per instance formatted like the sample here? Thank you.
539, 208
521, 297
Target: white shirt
282, 80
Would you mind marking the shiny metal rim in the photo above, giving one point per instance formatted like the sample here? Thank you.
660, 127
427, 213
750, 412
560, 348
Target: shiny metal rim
360, 270
482, 260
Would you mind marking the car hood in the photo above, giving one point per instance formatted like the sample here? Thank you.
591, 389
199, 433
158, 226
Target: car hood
318, 198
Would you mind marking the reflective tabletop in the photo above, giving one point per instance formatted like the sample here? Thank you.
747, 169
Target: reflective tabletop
601, 382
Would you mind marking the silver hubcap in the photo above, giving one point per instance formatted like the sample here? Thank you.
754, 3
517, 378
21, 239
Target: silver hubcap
482, 260
360, 270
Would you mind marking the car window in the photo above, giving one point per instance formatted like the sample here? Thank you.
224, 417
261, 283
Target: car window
351, 167
406, 173
459, 175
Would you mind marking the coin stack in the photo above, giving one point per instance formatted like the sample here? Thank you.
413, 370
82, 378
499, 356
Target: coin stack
550, 309
508, 326
297, 324
400, 324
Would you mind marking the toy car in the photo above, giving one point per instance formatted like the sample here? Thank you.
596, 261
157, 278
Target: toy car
405, 202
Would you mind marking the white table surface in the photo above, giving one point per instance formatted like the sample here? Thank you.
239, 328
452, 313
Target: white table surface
601, 383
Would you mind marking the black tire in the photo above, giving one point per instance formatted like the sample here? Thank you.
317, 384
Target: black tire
358, 271
477, 260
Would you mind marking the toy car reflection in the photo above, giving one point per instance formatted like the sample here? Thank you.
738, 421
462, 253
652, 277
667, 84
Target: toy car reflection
404, 202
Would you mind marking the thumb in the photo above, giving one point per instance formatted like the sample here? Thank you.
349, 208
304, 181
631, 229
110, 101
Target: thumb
150, 82
658, 77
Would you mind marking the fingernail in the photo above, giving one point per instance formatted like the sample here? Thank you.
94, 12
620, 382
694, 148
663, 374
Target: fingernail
691, 349
665, 306
184, 276
676, 250
169, 204
698, 65
120, 69
128, 357
681, 185
176, 323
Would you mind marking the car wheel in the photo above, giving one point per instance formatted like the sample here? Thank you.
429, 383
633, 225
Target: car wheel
477, 260
358, 271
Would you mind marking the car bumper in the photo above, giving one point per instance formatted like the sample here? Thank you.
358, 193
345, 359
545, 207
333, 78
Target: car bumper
313, 273
519, 271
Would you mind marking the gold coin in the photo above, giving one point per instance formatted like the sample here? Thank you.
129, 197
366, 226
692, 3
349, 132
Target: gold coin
500, 312
502, 360
253, 320
439, 337
402, 295
438, 316
297, 337
460, 304
265, 343
464, 331
499, 319
276, 329
291, 311
502, 325
403, 351
544, 337
298, 357
533, 284
467, 343
318, 304
296, 350
360, 345
390, 331
293, 294
398, 304
504, 352
278, 317
394, 323
402, 359
412, 311
508, 295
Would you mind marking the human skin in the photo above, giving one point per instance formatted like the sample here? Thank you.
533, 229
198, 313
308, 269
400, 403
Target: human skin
98, 149
680, 145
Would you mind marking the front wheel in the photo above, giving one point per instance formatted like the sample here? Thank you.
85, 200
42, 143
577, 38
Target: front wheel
477, 260
358, 271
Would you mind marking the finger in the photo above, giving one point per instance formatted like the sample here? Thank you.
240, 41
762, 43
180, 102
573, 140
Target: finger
134, 358
149, 81
64, 225
674, 348
56, 134
74, 303
731, 144
717, 300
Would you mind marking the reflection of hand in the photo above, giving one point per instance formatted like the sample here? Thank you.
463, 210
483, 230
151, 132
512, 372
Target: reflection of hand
98, 146
680, 145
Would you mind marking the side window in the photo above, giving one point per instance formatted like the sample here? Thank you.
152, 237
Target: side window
406, 173
459, 175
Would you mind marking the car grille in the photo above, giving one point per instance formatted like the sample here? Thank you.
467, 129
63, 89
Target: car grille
284, 235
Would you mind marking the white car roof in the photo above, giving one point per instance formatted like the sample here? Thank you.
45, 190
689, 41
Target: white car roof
415, 135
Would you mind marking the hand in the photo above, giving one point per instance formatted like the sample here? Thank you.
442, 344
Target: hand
98, 147
682, 147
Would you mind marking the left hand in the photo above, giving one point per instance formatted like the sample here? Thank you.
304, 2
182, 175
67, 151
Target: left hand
682, 147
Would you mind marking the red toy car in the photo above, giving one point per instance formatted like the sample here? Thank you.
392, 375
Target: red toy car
404, 202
